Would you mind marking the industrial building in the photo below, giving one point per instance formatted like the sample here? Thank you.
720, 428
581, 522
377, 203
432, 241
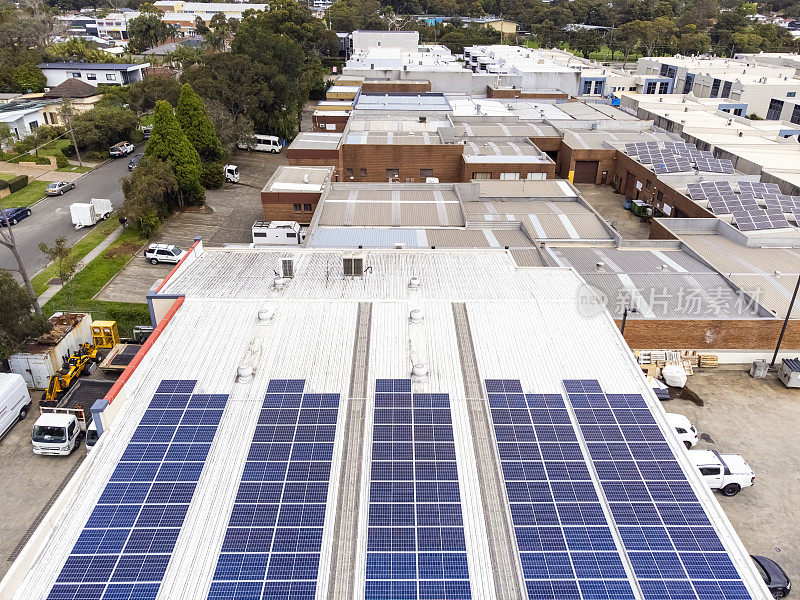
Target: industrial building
382, 424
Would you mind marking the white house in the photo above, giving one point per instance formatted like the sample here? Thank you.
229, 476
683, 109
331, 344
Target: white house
92, 73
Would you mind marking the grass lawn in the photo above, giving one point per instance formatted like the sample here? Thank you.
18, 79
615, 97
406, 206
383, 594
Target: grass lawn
73, 169
146, 120
6, 176
54, 147
78, 293
26, 196
80, 249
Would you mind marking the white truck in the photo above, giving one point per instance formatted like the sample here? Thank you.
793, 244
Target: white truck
91, 436
278, 233
684, 429
15, 401
728, 473
86, 214
56, 433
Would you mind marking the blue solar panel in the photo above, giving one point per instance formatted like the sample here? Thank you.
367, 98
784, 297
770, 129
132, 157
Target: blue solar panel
674, 551
565, 543
125, 547
274, 537
415, 535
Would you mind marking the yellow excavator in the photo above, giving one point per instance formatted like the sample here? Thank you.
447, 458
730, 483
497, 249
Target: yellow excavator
85, 360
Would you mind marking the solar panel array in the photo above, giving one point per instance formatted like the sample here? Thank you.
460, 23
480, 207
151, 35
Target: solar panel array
125, 547
781, 202
758, 189
677, 157
673, 548
415, 535
272, 545
709, 189
714, 165
755, 219
564, 539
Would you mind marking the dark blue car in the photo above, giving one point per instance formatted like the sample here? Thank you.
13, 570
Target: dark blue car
14, 215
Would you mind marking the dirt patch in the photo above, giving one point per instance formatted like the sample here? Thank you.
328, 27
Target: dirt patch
54, 281
689, 395
126, 249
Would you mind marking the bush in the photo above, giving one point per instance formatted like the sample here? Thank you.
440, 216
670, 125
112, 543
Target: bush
3, 184
68, 150
39, 160
17, 183
213, 176
137, 136
61, 161
96, 156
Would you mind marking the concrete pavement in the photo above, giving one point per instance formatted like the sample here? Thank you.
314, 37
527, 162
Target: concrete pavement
40, 172
50, 218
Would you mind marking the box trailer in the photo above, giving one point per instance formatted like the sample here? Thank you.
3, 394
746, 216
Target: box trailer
278, 233
87, 214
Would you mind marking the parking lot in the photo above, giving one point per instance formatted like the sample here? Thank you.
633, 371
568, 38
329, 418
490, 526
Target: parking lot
761, 421
28, 482
227, 218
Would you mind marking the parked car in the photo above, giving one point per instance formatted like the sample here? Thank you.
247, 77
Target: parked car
232, 173
121, 149
91, 436
15, 401
728, 473
133, 162
14, 215
263, 143
776, 578
147, 130
684, 428
57, 188
164, 253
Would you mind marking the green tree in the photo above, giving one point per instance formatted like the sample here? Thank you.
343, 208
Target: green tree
586, 41
103, 126
169, 143
146, 31
194, 120
627, 37
229, 130
29, 78
150, 194
693, 42
18, 322
145, 93
59, 253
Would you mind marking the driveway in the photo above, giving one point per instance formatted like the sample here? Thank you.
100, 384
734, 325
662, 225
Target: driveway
50, 218
227, 218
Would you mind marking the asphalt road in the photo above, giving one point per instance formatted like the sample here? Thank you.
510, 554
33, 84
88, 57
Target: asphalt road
51, 220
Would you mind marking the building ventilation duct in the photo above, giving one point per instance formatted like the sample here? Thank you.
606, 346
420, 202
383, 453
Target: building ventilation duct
419, 371
244, 373
414, 282
416, 316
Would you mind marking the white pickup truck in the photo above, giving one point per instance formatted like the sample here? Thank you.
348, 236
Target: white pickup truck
684, 429
728, 473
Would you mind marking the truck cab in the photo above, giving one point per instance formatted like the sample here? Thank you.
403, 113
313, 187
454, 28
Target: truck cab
56, 434
91, 436
728, 473
684, 429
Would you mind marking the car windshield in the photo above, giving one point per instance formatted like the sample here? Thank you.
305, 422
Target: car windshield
176, 251
53, 186
762, 571
91, 437
8, 211
50, 435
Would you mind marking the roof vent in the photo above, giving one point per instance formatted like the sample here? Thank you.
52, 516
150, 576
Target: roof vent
305, 178
244, 373
266, 314
414, 282
600, 265
279, 283
419, 371
777, 274
416, 316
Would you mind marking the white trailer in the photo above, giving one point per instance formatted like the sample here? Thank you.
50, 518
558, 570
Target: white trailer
86, 214
274, 233
102, 207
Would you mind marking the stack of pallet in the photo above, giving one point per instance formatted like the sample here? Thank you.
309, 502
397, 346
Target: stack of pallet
652, 361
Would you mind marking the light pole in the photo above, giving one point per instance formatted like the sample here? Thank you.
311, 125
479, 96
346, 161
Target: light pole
785, 323
625, 312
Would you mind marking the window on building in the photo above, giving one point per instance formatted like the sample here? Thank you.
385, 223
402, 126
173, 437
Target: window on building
33, 125
587, 87
726, 89
651, 87
509, 175
392, 173
349, 173
598, 87
726, 110
298, 207
76, 75
715, 88
91, 76
632, 88
660, 196
795, 118
791, 94
663, 87
671, 71
738, 112
363, 172
775, 109
424, 173
45, 118
647, 184
687, 85
291, 234
663, 70
307, 207
111, 77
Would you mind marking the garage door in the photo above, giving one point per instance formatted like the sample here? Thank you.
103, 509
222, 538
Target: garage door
585, 171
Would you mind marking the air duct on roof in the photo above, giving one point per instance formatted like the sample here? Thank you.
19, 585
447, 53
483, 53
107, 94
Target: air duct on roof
414, 282
419, 371
244, 373
416, 316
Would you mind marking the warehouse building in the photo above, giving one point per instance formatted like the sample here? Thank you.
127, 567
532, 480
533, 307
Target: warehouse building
412, 424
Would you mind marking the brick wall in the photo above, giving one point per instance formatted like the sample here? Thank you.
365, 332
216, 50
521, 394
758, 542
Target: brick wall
387, 87
497, 168
547, 144
659, 232
279, 206
332, 117
445, 160
755, 334
513, 93
567, 157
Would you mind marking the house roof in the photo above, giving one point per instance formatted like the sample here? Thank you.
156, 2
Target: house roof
92, 66
72, 88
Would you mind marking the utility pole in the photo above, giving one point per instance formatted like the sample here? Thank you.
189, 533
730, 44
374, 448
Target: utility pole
7, 240
67, 113
785, 323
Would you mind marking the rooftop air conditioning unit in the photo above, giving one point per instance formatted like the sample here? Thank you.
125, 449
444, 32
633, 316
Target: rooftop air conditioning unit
287, 268
353, 265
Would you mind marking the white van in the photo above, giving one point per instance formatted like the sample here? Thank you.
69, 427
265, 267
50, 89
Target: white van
15, 401
684, 428
263, 143
91, 436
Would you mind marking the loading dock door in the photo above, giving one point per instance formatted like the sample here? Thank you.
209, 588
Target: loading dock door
630, 185
586, 171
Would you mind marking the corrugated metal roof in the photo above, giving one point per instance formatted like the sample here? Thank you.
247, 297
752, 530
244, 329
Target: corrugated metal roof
368, 237
528, 258
524, 324
525, 188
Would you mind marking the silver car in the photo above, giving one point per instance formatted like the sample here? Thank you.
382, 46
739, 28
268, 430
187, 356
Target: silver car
57, 188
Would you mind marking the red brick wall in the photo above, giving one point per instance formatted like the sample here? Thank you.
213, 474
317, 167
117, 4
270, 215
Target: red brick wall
711, 334
387, 87
334, 117
445, 160
279, 206
497, 168
506, 93
659, 232
567, 157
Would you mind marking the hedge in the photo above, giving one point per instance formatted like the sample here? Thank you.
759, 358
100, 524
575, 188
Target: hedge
17, 183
